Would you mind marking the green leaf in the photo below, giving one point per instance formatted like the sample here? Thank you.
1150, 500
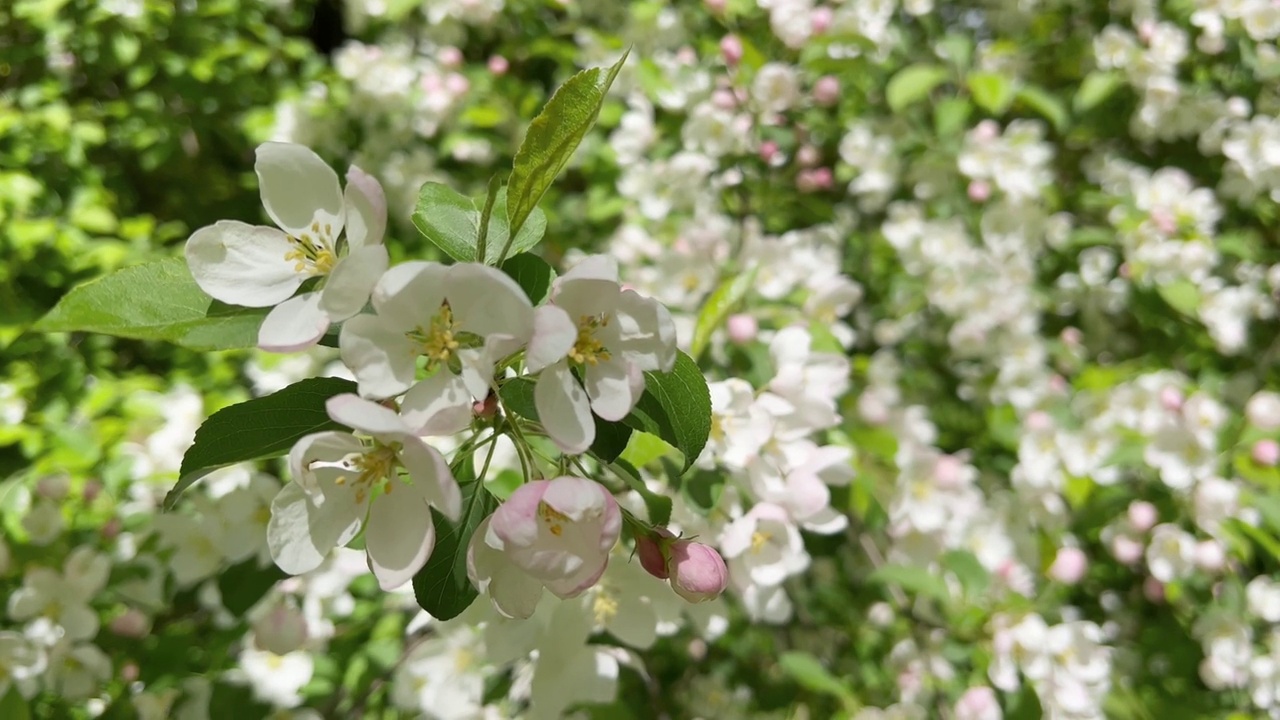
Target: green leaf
644, 448
260, 428
611, 437
810, 674
13, 706
973, 577
991, 91
1182, 295
441, 587
1096, 87
155, 301
1262, 538
912, 579
243, 585
1045, 103
951, 115
553, 136
913, 84
532, 274
676, 406
451, 221
718, 306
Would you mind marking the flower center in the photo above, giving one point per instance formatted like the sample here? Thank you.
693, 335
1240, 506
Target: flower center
554, 519
759, 539
439, 341
313, 252
717, 427
604, 607
587, 349
373, 467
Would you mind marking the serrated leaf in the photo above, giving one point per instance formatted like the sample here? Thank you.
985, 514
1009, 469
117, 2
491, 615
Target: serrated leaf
676, 406
913, 84
992, 92
1096, 87
809, 673
442, 587
257, 429
553, 136
913, 579
1046, 104
451, 221
243, 585
532, 274
717, 307
611, 437
154, 301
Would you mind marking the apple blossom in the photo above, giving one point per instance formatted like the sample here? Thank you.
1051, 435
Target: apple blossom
697, 572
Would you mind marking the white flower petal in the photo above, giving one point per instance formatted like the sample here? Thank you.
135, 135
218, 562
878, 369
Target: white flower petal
293, 325
299, 189
301, 532
564, 410
243, 264
646, 334
366, 416
593, 267
380, 356
410, 294
486, 301
609, 384
554, 334
438, 405
330, 446
477, 368
431, 477
514, 592
366, 209
399, 537
349, 285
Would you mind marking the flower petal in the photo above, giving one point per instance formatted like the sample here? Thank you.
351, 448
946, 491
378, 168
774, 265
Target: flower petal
379, 355
477, 368
366, 209
564, 410
301, 532
515, 522
438, 405
554, 334
486, 301
431, 477
299, 189
243, 264
330, 446
593, 267
366, 416
399, 537
610, 386
514, 592
349, 285
646, 334
409, 294
293, 325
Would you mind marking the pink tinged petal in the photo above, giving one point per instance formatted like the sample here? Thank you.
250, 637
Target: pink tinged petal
293, 325
563, 409
298, 189
381, 357
302, 532
477, 369
366, 416
806, 495
516, 521
243, 264
438, 405
349, 285
577, 498
579, 582
366, 209
408, 295
610, 385
646, 334
329, 446
486, 301
399, 537
513, 591
554, 334
432, 480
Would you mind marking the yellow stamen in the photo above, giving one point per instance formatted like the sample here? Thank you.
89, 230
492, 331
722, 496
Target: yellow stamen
587, 349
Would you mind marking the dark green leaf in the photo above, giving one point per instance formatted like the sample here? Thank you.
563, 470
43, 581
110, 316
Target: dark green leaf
718, 306
155, 301
13, 707
611, 437
260, 428
676, 406
531, 273
451, 221
243, 585
442, 587
552, 138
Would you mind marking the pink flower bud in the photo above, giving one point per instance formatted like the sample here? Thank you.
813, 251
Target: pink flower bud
111, 529
498, 65
1153, 590
1069, 565
724, 99
978, 703
979, 190
129, 672
132, 623
698, 573
768, 151
1146, 31
450, 56
805, 181
457, 84
948, 472
652, 550
822, 178
1039, 421
1126, 550
742, 328
731, 49
1210, 556
487, 408
1171, 398
282, 629
820, 19
1266, 452
808, 155
1124, 271
826, 91
986, 131
1072, 337
1142, 516
92, 489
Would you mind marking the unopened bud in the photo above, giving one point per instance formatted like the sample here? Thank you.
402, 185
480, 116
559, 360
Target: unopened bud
450, 56
826, 91
53, 487
92, 489
652, 550
698, 573
731, 49
820, 19
1069, 565
742, 328
1153, 590
487, 408
979, 190
1210, 556
1142, 515
978, 703
768, 150
498, 65
1266, 452
132, 623
281, 630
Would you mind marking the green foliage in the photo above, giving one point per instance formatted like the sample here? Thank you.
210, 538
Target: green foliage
451, 221
723, 301
676, 406
441, 587
913, 84
532, 274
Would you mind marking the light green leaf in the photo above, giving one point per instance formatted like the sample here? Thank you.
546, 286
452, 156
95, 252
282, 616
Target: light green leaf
912, 579
451, 221
676, 406
644, 448
553, 136
657, 505
1045, 103
951, 115
718, 306
260, 428
13, 706
991, 91
154, 301
810, 674
442, 587
1182, 295
973, 577
913, 84
1096, 87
